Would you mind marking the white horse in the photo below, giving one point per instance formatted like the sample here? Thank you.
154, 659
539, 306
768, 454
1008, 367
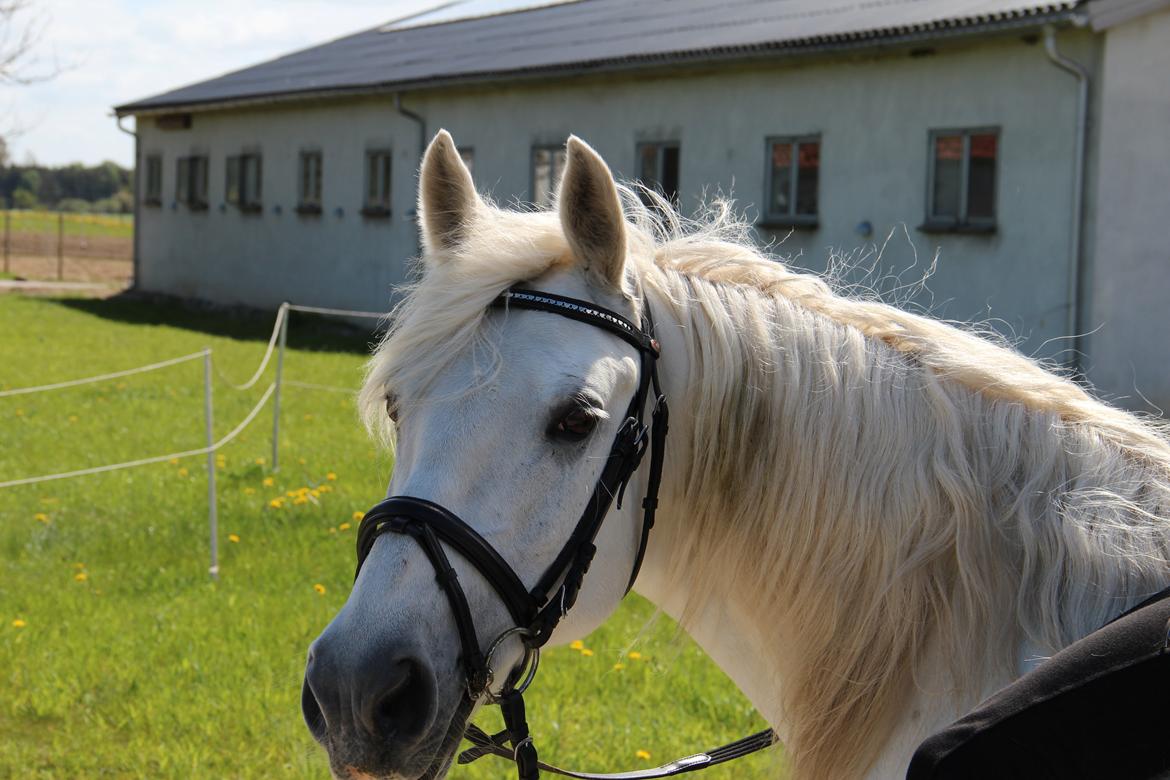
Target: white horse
871, 520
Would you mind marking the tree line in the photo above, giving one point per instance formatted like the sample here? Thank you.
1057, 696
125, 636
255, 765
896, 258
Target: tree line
106, 187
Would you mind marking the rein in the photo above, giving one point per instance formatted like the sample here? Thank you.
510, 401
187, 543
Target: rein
537, 612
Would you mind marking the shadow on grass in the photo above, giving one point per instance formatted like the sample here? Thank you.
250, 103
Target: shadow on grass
306, 331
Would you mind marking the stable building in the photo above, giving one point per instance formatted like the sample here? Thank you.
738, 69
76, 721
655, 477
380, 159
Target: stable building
1021, 146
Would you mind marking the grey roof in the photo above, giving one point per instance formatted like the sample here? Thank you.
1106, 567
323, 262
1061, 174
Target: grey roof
594, 34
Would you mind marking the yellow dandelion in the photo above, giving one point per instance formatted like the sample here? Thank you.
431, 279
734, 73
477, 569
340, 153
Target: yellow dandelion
234, 538
576, 644
72, 418
619, 666
643, 754
635, 655
320, 589
324, 488
302, 491
183, 472
20, 412
260, 461
81, 576
291, 493
41, 517
300, 500
331, 476
358, 515
343, 527
249, 491
18, 623
276, 503
315, 493
268, 482
585, 651
301, 461
173, 461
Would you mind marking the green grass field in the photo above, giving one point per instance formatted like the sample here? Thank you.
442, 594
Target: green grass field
120, 658
86, 225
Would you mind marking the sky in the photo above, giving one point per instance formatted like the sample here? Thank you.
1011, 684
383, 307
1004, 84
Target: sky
116, 51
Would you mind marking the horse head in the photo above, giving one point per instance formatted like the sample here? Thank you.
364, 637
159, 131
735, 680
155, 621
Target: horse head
503, 418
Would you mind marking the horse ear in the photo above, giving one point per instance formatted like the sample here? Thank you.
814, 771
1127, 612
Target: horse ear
447, 200
591, 213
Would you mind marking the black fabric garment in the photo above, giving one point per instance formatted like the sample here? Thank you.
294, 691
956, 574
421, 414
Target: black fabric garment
1100, 708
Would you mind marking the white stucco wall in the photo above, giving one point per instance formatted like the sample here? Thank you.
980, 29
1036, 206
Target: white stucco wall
1129, 311
873, 113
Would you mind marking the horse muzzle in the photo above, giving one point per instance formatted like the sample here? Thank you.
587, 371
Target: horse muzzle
375, 713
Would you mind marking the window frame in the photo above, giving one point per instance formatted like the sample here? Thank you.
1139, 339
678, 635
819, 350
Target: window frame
961, 222
554, 176
314, 204
382, 207
774, 219
152, 185
194, 194
245, 201
662, 145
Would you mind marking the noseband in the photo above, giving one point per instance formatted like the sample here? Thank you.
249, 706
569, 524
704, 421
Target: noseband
537, 612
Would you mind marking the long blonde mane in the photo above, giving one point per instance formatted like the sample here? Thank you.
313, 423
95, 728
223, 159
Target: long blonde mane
879, 481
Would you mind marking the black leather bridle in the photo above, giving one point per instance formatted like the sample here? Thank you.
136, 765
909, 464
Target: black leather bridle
537, 612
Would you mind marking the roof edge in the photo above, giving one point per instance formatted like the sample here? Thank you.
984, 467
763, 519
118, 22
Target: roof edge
1103, 15
873, 39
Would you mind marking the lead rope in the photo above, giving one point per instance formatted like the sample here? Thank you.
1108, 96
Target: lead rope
496, 745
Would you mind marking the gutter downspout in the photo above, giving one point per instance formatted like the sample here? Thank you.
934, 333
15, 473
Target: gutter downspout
422, 148
1076, 265
137, 198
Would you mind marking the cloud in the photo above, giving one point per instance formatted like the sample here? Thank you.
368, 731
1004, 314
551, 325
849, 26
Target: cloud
123, 50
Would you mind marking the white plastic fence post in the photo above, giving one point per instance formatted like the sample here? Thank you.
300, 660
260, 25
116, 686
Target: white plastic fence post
283, 314
212, 514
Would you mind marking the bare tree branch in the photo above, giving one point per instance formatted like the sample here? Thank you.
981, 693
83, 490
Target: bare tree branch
21, 28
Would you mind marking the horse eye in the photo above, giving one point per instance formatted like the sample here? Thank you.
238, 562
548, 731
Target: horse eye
392, 408
575, 425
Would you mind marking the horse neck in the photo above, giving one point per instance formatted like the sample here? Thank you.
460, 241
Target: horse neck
842, 529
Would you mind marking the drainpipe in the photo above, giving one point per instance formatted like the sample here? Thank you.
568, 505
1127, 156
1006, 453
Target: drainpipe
422, 148
1076, 265
137, 193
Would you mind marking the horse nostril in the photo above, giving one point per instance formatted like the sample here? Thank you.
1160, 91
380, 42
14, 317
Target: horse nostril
311, 709
402, 708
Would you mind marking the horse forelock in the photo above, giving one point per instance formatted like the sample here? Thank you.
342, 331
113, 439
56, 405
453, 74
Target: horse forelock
881, 480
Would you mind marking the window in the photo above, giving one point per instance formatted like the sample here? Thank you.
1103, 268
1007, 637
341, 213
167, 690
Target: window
152, 181
468, 155
793, 180
243, 182
548, 163
191, 182
309, 200
658, 168
377, 184
961, 184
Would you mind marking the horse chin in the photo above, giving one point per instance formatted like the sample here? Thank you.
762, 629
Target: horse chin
432, 761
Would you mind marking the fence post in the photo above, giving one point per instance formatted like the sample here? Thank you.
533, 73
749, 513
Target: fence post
60, 246
7, 241
212, 514
283, 314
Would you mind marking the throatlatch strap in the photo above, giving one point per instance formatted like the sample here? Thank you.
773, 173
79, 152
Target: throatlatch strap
496, 745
